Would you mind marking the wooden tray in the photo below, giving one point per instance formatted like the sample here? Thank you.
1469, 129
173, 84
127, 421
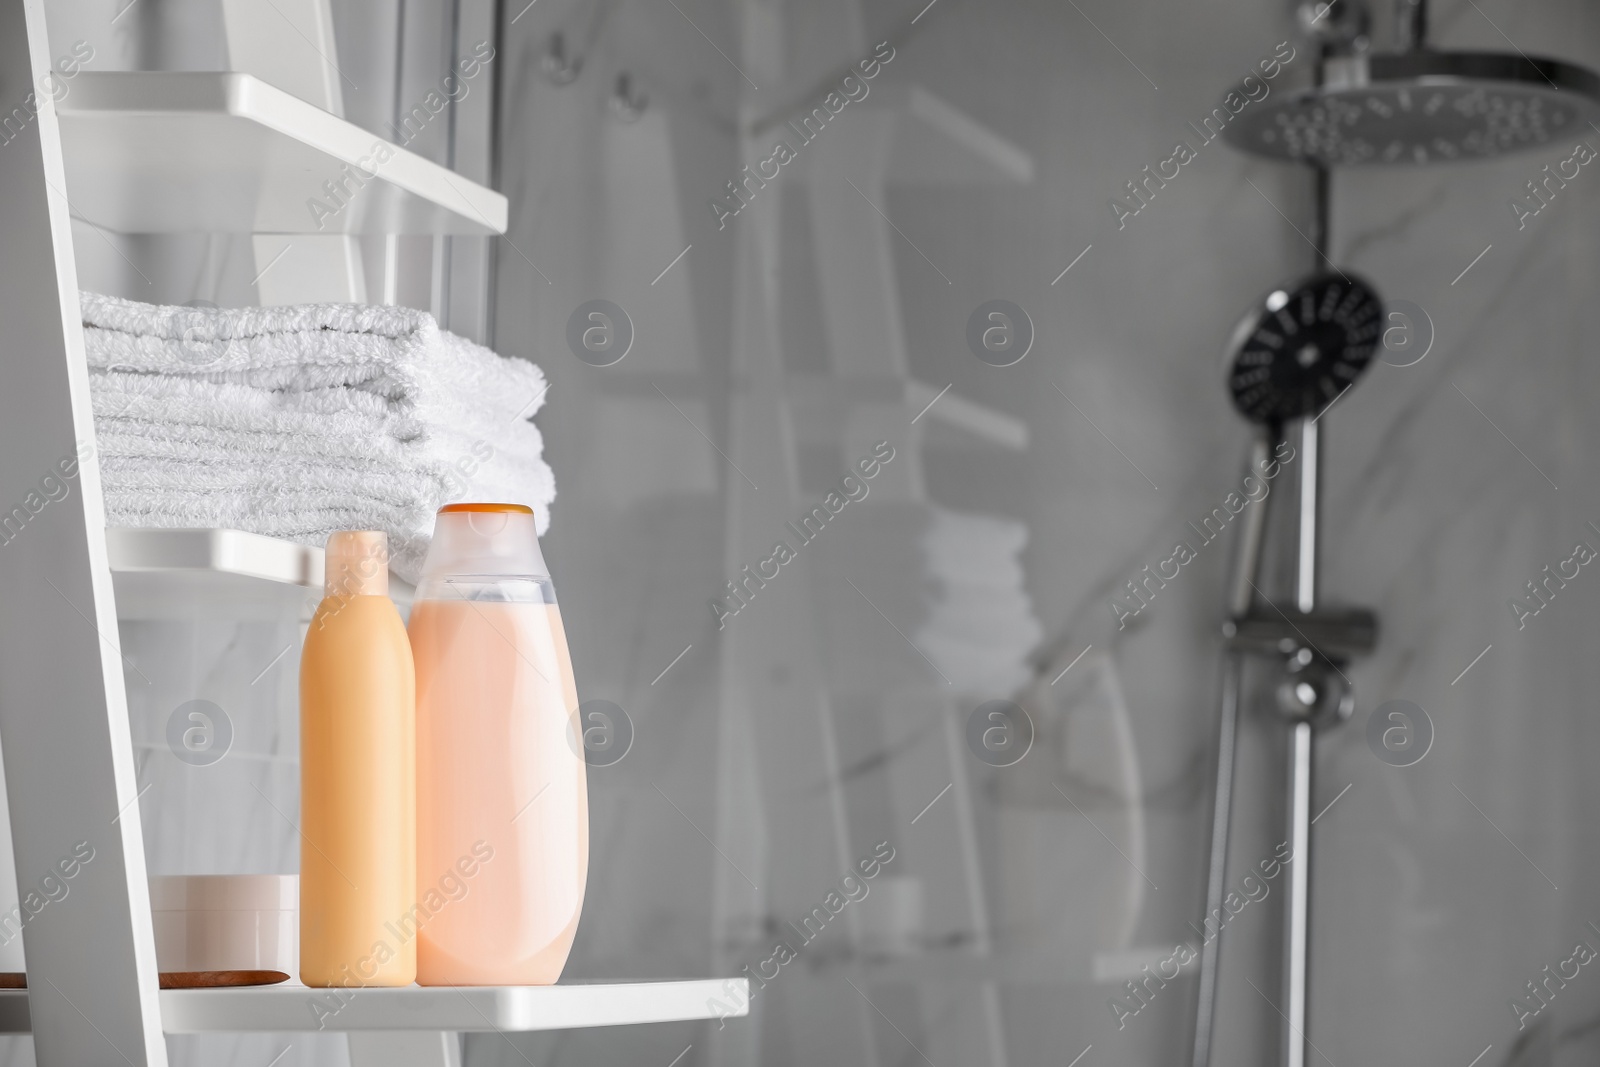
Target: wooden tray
179, 979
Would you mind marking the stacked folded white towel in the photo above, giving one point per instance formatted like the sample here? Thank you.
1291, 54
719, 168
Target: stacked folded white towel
980, 624
297, 421
951, 583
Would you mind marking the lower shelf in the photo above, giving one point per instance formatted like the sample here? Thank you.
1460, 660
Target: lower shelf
217, 574
295, 1008
182, 574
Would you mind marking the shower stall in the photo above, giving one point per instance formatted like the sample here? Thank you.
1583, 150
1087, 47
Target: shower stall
1293, 358
836, 305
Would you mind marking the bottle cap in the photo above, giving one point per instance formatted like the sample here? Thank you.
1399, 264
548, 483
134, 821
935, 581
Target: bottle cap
485, 539
356, 563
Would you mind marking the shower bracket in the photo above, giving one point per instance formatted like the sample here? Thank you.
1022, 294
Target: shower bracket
1339, 634
1346, 72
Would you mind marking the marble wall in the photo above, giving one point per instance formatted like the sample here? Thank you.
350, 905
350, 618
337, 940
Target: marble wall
1434, 889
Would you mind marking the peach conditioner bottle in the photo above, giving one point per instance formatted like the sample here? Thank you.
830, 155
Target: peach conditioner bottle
502, 793
357, 776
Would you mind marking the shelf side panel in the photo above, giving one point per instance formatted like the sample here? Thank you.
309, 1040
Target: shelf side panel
85, 914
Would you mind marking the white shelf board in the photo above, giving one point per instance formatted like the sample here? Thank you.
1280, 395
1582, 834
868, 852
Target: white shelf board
1019, 966
981, 421
828, 400
218, 574
913, 138
188, 151
294, 1008
231, 552
179, 574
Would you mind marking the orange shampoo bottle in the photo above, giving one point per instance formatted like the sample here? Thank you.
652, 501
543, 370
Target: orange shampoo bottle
357, 776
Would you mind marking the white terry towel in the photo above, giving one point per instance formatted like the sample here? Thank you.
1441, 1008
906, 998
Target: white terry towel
396, 353
977, 550
297, 421
981, 624
150, 414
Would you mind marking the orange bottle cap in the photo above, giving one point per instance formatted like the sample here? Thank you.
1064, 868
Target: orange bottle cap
506, 509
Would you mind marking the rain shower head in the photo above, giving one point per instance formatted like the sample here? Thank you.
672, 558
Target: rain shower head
1420, 106
1300, 347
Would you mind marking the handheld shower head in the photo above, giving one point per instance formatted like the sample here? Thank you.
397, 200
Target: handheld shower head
1300, 347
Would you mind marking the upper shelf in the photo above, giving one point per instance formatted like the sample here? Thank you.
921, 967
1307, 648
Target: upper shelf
291, 1008
170, 152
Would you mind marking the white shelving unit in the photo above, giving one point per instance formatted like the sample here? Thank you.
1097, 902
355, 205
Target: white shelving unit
155, 152
170, 152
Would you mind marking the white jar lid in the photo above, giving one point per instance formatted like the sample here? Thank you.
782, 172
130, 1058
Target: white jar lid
225, 892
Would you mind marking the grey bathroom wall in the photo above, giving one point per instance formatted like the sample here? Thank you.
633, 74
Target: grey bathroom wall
763, 759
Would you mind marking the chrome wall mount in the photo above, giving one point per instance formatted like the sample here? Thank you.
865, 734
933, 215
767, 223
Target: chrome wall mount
558, 66
1311, 646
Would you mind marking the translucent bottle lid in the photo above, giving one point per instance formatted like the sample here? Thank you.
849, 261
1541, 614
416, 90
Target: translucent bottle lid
494, 540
